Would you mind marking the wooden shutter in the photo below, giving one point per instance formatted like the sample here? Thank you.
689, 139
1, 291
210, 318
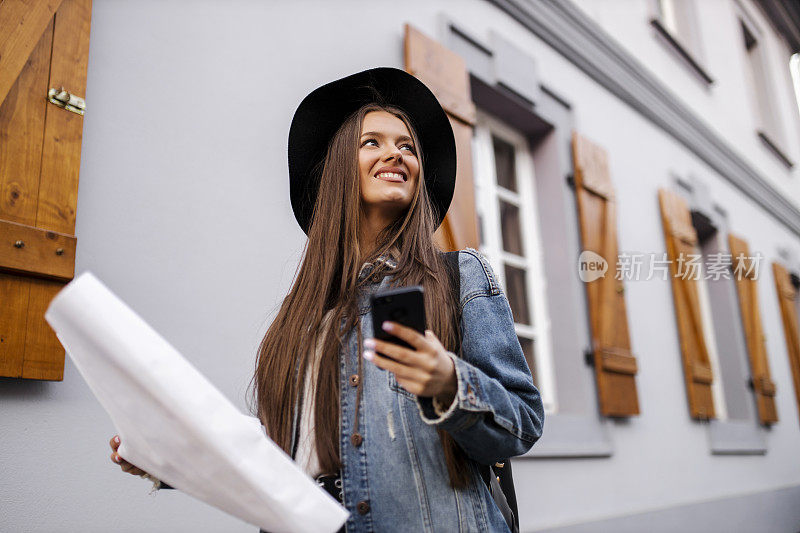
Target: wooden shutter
43, 44
445, 73
615, 366
681, 241
787, 296
746, 287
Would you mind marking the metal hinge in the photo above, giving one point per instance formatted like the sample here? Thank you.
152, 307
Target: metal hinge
67, 101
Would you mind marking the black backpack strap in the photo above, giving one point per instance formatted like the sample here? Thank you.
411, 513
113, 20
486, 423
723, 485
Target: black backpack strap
507, 485
451, 259
504, 473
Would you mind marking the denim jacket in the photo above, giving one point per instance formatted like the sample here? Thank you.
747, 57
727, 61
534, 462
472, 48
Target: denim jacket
396, 478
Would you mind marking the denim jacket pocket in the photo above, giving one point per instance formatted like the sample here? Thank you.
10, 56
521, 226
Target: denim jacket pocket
396, 387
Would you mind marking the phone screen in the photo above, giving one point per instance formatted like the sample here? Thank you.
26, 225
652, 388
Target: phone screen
404, 305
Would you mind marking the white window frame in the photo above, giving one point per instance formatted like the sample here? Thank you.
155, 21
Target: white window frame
760, 82
680, 19
794, 69
487, 194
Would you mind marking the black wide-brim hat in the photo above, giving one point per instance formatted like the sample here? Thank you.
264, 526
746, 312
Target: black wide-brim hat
320, 114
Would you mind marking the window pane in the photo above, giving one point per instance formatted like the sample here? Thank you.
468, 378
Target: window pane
668, 16
767, 118
516, 291
527, 349
510, 227
504, 164
794, 68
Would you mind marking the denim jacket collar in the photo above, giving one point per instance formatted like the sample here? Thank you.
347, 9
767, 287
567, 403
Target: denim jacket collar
386, 258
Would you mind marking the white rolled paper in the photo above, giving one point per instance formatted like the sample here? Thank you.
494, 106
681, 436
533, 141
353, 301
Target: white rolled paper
175, 424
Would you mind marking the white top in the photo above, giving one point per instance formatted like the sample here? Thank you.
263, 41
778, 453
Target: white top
306, 455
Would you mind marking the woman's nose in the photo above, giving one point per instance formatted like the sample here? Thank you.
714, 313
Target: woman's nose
395, 153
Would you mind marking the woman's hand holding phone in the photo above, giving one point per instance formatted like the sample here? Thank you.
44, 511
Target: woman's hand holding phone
426, 370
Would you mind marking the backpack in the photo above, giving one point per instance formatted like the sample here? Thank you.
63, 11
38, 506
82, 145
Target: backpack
498, 479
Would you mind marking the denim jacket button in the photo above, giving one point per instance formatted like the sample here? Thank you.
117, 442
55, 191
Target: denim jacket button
356, 439
470, 395
354, 380
363, 507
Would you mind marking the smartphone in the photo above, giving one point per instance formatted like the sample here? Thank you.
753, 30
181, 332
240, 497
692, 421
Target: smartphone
404, 305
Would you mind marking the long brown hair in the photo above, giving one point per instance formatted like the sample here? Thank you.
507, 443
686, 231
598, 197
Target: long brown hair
327, 279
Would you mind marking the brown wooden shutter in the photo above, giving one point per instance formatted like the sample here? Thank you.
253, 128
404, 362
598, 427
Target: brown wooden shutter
43, 44
746, 287
681, 241
615, 366
787, 296
445, 73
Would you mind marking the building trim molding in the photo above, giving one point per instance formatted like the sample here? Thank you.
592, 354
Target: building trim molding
750, 511
570, 32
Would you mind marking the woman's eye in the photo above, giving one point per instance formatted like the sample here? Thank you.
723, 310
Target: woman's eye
374, 142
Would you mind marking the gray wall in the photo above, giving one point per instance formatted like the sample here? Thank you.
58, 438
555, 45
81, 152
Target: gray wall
183, 212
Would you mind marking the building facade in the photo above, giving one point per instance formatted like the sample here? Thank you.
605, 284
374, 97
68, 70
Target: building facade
628, 167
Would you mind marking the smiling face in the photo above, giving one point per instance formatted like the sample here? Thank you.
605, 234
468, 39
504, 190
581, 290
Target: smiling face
388, 165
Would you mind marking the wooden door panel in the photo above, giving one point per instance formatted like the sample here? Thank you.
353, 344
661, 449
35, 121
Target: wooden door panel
747, 291
787, 296
22, 115
61, 161
45, 44
681, 242
14, 293
459, 228
23, 22
615, 367
44, 355
445, 74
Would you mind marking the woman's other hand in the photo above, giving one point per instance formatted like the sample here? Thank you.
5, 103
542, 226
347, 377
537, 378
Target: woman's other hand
125, 465
425, 371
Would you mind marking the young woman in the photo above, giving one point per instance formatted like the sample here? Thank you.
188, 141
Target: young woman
398, 435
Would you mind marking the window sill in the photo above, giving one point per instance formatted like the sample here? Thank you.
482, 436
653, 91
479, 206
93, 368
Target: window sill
772, 147
571, 436
682, 51
736, 437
